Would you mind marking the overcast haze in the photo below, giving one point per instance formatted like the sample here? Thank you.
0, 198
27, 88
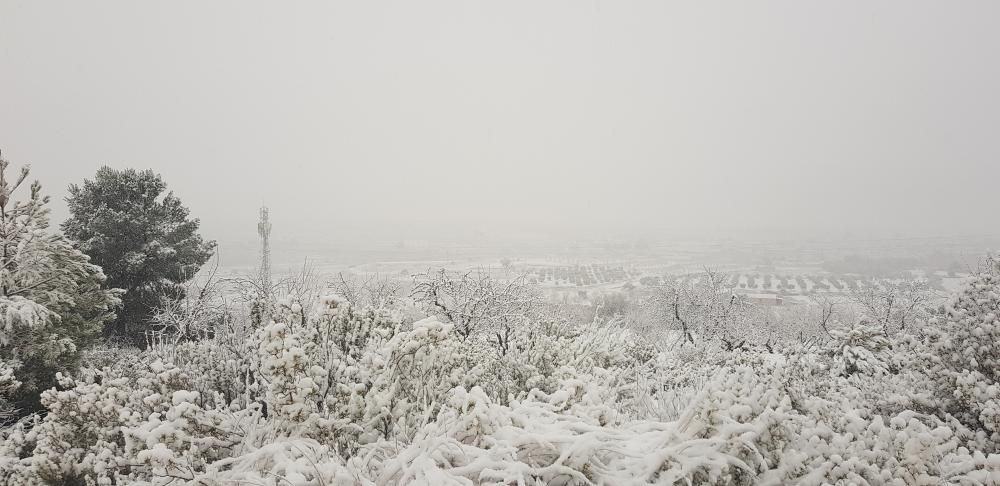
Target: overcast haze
631, 117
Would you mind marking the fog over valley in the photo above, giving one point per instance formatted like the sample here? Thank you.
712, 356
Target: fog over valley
645, 119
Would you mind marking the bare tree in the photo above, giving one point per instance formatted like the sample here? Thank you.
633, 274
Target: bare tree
265, 296
701, 308
301, 291
258, 294
821, 314
375, 290
477, 303
202, 307
893, 305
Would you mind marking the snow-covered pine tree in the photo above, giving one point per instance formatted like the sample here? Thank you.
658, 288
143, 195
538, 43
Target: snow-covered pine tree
52, 303
142, 236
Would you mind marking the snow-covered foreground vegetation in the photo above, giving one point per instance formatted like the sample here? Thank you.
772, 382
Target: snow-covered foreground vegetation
322, 391
466, 379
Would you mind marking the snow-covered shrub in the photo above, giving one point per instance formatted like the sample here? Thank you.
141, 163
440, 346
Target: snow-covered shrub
476, 441
8, 385
342, 332
860, 348
768, 432
962, 356
547, 349
293, 381
411, 375
223, 364
184, 439
338, 336
344, 343
284, 462
83, 435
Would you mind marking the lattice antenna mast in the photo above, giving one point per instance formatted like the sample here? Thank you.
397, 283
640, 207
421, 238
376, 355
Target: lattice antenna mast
264, 230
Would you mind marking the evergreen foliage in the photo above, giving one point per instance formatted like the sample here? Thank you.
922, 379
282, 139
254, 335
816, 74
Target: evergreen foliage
143, 238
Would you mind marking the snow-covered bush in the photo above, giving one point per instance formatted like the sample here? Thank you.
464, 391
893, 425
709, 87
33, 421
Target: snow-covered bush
860, 348
83, 434
962, 356
411, 377
292, 379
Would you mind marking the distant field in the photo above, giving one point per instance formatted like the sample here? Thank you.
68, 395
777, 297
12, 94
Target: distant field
580, 275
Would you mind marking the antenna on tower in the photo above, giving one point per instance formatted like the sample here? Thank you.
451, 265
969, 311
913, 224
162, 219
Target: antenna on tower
264, 230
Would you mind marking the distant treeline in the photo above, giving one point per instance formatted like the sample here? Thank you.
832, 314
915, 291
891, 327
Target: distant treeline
887, 267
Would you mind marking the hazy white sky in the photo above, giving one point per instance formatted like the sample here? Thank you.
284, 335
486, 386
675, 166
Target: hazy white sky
663, 116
